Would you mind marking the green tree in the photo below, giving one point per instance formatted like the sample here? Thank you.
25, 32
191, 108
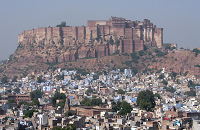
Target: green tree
185, 74
10, 58
58, 96
96, 101
69, 127
117, 42
197, 51
68, 113
86, 101
191, 84
178, 81
95, 76
89, 90
145, 100
157, 95
14, 79
156, 50
160, 54
63, 24
78, 77
35, 102
32, 76
120, 91
134, 56
61, 103
141, 53
30, 113
23, 102
16, 90
39, 79
36, 94
190, 93
111, 41
161, 76
164, 82
12, 101
170, 89
173, 75
149, 53
123, 107
60, 77
91, 102
134, 70
4, 79
160, 70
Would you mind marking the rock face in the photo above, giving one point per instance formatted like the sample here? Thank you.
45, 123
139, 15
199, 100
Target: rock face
39, 49
98, 39
87, 47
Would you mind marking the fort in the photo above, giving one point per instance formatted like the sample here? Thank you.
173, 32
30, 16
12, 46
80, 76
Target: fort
97, 39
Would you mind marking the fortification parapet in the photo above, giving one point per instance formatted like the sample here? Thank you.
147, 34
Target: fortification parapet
99, 36
158, 35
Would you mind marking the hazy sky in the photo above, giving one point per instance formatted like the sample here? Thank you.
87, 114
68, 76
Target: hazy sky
180, 19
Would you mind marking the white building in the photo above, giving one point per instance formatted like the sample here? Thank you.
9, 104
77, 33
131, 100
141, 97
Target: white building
43, 119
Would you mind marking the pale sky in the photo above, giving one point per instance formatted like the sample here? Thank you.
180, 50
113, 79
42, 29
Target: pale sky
180, 19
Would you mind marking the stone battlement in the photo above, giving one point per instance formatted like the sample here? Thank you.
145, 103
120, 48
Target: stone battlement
132, 35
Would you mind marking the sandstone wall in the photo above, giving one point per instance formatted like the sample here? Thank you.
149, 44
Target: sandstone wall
107, 30
101, 31
117, 32
113, 48
121, 46
40, 33
158, 35
49, 33
101, 51
92, 23
69, 43
128, 45
139, 45
128, 33
138, 32
56, 31
20, 38
91, 32
81, 34
69, 32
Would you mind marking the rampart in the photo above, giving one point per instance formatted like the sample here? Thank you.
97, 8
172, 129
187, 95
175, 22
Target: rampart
105, 37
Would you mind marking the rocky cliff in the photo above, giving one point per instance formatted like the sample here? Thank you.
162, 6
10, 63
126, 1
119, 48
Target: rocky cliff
25, 62
94, 46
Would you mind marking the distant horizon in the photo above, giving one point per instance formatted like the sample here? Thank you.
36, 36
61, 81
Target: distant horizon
177, 18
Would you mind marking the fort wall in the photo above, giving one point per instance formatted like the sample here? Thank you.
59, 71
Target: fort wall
40, 33
117, 32
91, 32
138, 44
69, 32
128, 45
106, 30
158, 35
138, 32
81, 31
56, 31
132, 35
128, 33
92, 23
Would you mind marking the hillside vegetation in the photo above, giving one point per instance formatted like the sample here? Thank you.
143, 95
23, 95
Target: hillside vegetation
151, 60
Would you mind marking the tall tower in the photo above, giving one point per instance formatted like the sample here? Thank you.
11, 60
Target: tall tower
66, 107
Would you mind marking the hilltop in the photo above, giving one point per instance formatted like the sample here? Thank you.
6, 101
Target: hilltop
99, 46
